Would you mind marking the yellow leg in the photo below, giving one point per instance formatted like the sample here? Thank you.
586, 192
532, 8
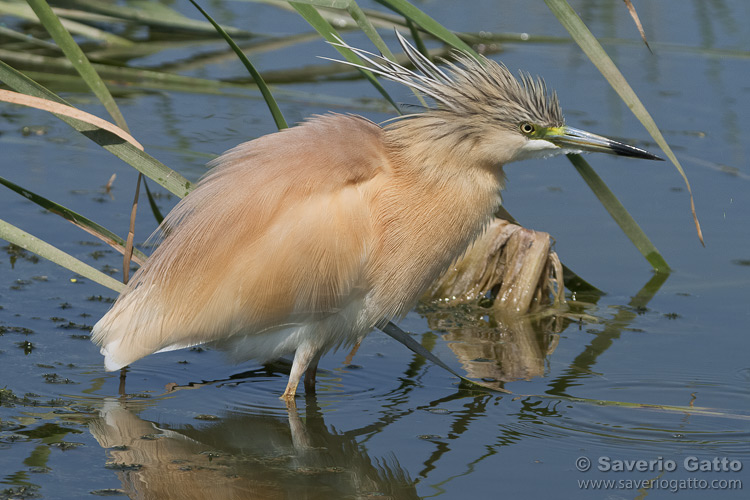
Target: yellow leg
305, 361
291, 387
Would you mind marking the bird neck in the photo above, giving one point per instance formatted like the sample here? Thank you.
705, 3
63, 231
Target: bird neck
433, 145
434, 203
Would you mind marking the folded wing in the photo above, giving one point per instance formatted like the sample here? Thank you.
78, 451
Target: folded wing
277, 234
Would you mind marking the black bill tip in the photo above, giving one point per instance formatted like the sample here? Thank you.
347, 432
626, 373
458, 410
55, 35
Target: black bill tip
621, 149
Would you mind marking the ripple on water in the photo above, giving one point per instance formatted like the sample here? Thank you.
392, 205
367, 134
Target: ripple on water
202, 382
675, 414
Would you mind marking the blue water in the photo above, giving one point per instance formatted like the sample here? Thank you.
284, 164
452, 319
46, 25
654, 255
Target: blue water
389, 423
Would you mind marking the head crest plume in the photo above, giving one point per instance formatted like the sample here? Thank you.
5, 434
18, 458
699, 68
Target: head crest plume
469, 86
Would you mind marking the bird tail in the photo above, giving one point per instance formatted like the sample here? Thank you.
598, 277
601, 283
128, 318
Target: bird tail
120, 333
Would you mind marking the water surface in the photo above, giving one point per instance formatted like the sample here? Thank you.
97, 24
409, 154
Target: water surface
387, 423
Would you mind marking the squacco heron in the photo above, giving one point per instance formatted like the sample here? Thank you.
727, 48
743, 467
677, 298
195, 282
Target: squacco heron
305, 240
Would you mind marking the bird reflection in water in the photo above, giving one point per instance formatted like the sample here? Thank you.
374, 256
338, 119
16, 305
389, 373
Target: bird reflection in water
242, 456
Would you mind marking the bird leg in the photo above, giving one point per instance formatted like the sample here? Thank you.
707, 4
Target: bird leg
305, 361
310, 373
350, 356
123, 373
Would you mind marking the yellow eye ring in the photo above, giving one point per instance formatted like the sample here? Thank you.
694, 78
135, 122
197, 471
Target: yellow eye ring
527, 128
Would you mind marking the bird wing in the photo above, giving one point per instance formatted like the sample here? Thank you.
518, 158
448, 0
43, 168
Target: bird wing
276, 234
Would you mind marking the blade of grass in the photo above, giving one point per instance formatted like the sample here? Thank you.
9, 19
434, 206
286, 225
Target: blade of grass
403, 8
75, 218
149, 166
307, 9
77, 58
65, 110
327, 4
25, 12
26, 38
331, 10
135, 79
685, 410
267, 96
128, 254
421, 47
368, 29
618, 212
428, 24
152, 203
21, 238
314, 19
637, 21
121, 75
153, 14
593, 49
310, 14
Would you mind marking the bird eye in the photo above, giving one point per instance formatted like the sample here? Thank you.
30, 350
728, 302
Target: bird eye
527, 128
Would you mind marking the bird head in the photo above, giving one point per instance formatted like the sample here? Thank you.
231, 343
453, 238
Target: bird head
480, 103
